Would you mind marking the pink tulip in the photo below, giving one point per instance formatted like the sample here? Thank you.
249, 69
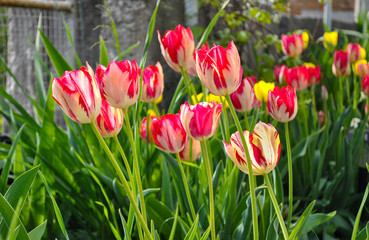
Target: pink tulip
354, 50
314, 75
341, 63
177, 47
366, 85
279, 74
243, 99
169, 133
200, 120
219, 69
192, 70
297, 77
110, 120
78, 95
282, 104
152, 83
143, 130
196, 151
292, 45
264, 147
362, 69
252, 79
119, 83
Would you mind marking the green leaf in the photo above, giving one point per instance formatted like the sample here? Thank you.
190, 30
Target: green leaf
104, 58
78, 60
206, 234
192, 232
41, 92
37, 232
60, 64
127, 235
302, 221
364, 233
128, 50
358, 215
315, 220
166, 190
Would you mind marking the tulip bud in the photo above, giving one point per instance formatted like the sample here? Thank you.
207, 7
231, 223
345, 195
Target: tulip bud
305, 39
78, 95
145, 134
341, 64
152, 83
110, 120
282, 104
297, 77
184, 155
279, 74
219, 69
324, 93
264, 147
243, 99
314, 73
366, 85
321, 117
293, 45
354, 51
361, 68
330, 40
192, 70
262, 89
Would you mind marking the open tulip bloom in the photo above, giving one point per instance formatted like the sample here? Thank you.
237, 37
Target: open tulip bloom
219, 69
292, 45
78, 95
243, 98
152, 83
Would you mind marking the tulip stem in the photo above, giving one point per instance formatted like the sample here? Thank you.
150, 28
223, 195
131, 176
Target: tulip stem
348, 89
189, 87
123, 181
276, 207
205, 155
125, 160
249, 169
246, 121
290, 176
340, 95
187, 190
136, 167
354, 106
314, 106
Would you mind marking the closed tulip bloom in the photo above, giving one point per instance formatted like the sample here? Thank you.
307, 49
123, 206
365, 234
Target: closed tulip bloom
169, 133
330, 40
305, 39
361, 68
279, 74
110, 120
185, 154
243, 98
145, 134
261, 90
314, 74
152, 83
177, 47
282, 104
292, 45
354, 51
366, 85
324, 93
78, 95
219, 69
192, 70
341, 63
200, 120
264, 147
362, 53
297, 77
119, 83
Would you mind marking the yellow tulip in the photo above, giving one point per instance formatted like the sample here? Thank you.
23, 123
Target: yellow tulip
157, 101
309, 65
305, 39
151, 113
261, 90
330, 40
361, 67
210, 97
362, 53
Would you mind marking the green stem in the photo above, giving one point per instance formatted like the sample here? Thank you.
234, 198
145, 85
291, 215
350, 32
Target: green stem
136, 167
189, 87
348, 89
187, 190
249, 168
122, 180
211, 193
276, 207
315, 117
303, 110
246, 121
340, 95
156, 110
355, 93
290, 176
125, 160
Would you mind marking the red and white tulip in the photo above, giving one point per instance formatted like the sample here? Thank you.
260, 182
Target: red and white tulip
263, 145
366, 85
219, 69
110, 120
292, 45
243, 99
341, 63
152, 83
297, 77
185, 154
282, 104
78, 95
145, 134
354, 51
200, 120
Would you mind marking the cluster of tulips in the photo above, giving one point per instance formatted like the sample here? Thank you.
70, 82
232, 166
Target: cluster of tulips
102, 98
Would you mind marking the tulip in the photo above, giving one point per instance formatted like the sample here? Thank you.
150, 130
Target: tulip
243, 98
219, 69
196, 151
264, 147
177, 47
145, 134
305, 39
119, 83
152, 83
169, 133
366, 85
282, 104
261, 90
279, 74
330, 40
293, 45
192, 70
362, 53
361, 68
341, 64
321, 117
110, 120
354, 51
297, 77
253, 80
324, 93
200, 120
78, 95
314, 73
209, 98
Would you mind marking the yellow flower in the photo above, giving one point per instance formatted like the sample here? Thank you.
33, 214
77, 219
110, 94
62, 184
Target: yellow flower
151, 113
356, 66
362, 53
309, 65
305, 39
261, 90
157, 101
210, 97
330, 40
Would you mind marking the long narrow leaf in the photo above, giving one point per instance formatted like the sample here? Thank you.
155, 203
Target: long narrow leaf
302, 220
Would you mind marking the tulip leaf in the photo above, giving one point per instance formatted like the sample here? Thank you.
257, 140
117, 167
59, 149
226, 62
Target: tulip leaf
166, 190
302, 221
358, 215
206, 234
104, 58
78, 60
60, 64
315, 220
364, 233
128, 50
127, 234
41, 93
192, 232
37, 232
